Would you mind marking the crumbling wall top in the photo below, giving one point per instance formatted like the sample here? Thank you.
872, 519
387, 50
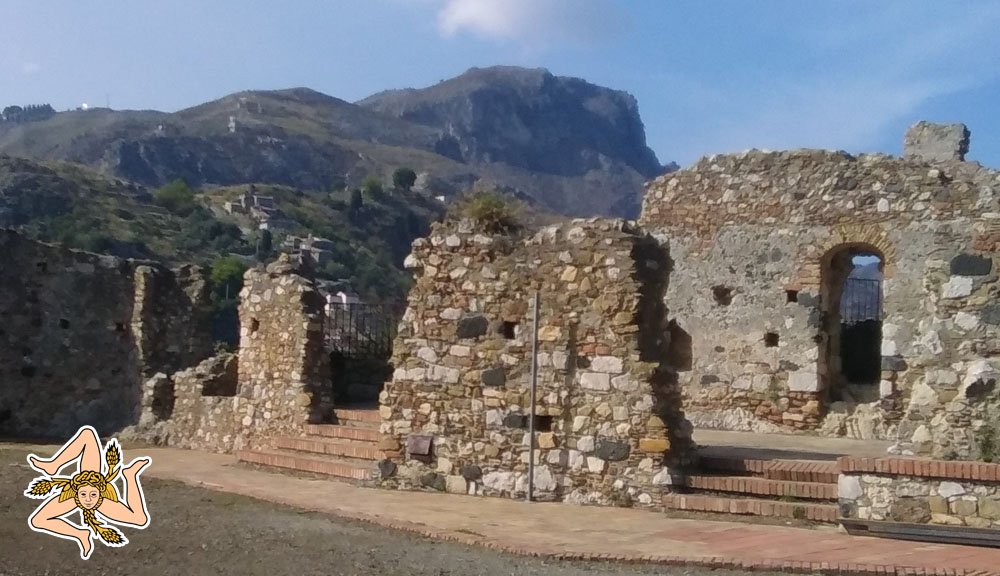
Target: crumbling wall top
816, 187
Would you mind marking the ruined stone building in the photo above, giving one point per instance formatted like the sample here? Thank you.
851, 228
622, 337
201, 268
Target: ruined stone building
736, 302
608, 411
760, 246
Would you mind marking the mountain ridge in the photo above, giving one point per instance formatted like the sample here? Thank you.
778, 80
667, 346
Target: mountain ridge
574, 148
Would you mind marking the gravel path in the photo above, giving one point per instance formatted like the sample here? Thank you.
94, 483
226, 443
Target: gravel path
195, 531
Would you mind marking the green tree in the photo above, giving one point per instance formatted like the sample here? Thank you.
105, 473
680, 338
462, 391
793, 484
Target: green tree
176, 196
372, 187
404, 178
227, 276
356, 200
265, 245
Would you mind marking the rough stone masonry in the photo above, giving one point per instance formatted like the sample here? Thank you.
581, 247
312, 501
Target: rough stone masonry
79, 333
455, 414
277, 383
761, 243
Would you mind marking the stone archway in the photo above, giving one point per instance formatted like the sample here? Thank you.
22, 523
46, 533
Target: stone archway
850, 337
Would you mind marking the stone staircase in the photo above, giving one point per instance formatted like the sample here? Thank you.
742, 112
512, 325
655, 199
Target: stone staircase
794, 489
348, 449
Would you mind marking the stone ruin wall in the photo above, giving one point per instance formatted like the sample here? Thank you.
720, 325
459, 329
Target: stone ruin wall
80, 332
756, 225
276, 384
610, 425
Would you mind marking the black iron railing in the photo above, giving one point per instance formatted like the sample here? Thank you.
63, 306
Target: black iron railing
861, 300
361, 329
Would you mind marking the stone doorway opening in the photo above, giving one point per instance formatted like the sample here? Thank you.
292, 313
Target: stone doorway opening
359, 339
851, 339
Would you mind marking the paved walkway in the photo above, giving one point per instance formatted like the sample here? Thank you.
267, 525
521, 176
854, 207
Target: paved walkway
564, 530
576, 532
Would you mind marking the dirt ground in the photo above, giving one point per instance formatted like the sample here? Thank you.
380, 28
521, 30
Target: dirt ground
195, 531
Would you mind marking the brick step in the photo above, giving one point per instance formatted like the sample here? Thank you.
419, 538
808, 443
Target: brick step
751, 506
820, 471
763, 487
319, 445
364, 418
305, 463
343, 432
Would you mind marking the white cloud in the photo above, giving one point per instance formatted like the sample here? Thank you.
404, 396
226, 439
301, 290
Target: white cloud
533, 23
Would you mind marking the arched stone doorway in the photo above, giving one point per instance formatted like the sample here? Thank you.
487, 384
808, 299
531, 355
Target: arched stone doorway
850, 340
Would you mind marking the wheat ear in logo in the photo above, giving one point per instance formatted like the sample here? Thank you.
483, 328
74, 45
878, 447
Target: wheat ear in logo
91, 491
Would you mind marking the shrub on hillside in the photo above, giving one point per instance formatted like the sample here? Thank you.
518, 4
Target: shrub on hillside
176, 196
491, 212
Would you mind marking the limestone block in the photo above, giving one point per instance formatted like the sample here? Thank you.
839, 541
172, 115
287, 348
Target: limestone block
585, 444
547, 440
885, 388
499, 481
444, 465
450, 314
964, 507
625, 383
889, 347
595, 464
957, 287
989, 507
456, 485
804, 381
596, 381
950, 489
966, 321
849, 487
427, 354
608, 364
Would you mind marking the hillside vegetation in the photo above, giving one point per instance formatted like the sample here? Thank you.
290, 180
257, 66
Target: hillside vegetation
77, 207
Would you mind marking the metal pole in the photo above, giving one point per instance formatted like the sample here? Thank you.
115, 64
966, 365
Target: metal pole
531, 412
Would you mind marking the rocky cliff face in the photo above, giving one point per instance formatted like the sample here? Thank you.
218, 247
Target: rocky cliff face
528, 119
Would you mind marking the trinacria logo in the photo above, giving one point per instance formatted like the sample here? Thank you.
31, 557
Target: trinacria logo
92, 491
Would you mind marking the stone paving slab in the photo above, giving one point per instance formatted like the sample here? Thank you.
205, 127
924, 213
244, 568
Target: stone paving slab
577, 532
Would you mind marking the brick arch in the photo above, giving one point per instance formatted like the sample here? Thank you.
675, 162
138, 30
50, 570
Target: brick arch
869, 236
834, 264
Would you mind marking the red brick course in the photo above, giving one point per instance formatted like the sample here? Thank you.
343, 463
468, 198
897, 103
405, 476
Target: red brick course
790, 470
701, 503
351, 449
317, 465
345, 432
764, 487
923, 468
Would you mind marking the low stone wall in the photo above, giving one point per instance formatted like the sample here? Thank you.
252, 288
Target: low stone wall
610, 427
920, 491
277, 384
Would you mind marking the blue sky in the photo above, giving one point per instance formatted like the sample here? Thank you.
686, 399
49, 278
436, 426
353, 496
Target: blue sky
710, 76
